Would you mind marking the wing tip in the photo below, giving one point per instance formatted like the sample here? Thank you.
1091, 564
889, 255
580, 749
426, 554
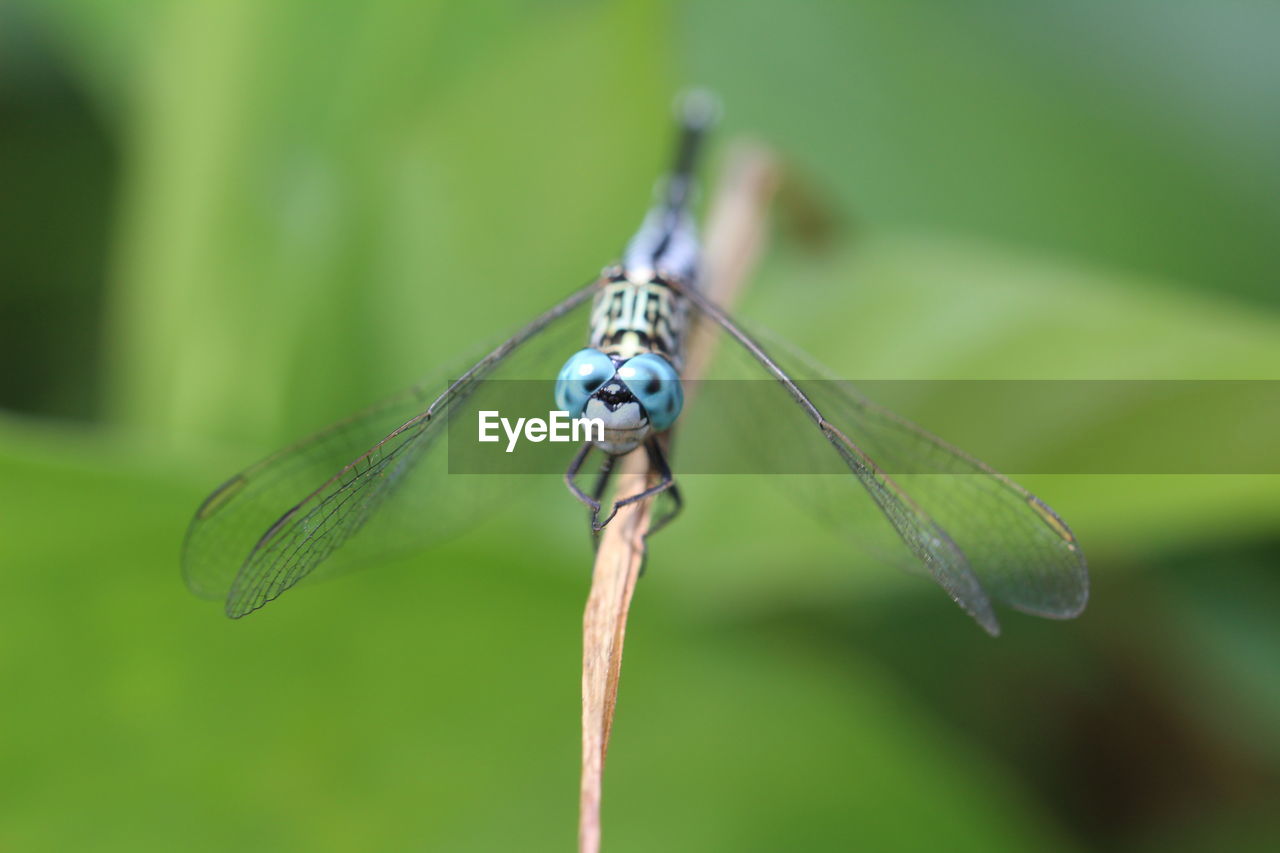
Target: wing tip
981, 611
988, 623
242, 602
236, 609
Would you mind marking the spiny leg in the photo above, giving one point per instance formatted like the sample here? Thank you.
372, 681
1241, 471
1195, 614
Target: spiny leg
603, 476
657, 460
592, 503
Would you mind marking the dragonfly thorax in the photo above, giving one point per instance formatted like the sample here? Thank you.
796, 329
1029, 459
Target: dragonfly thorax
630, 318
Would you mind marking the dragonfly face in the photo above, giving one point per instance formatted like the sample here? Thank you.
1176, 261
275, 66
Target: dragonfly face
634, 397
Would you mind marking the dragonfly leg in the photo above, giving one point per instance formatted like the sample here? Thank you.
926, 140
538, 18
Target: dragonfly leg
602, 478
667, 482
570, 476
658, 459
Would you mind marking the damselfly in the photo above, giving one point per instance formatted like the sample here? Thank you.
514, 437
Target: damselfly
980, 536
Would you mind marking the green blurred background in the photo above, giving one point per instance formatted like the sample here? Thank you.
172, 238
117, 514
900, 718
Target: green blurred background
227, 223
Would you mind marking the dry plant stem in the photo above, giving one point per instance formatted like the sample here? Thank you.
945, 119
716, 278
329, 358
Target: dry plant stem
734, 236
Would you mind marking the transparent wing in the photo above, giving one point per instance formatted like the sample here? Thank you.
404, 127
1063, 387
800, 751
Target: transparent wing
978, 534
274, 523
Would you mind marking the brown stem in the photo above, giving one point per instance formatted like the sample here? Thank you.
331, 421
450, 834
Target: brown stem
734, 237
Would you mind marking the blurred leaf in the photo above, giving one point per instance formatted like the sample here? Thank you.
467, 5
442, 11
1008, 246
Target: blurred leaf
1138, 134
319, 200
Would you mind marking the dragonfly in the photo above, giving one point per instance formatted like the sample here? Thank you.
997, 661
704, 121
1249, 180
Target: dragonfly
977, 534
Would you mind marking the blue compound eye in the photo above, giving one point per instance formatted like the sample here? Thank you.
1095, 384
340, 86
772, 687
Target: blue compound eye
656, 385
582, 375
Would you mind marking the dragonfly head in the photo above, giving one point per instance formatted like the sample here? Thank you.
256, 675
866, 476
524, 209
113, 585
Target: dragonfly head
634, 397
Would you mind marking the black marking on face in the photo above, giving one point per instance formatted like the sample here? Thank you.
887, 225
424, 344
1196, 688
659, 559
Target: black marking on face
615, 394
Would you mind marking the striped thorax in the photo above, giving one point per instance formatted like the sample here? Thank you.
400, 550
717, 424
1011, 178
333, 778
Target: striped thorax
629, 318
